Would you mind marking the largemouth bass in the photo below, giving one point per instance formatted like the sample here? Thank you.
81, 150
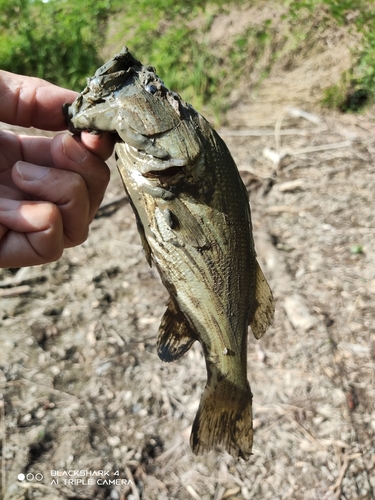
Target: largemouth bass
194, 221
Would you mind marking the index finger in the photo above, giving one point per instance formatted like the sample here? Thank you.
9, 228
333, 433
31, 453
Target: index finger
32, 102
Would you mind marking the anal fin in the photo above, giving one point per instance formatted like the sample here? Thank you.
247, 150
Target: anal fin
176, 336
264, 311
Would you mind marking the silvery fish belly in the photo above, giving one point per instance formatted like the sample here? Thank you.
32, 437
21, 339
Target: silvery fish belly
194, 221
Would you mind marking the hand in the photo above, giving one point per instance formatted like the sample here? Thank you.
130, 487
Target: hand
50, 188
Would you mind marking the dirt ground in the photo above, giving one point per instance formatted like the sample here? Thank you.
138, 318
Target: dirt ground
88, 411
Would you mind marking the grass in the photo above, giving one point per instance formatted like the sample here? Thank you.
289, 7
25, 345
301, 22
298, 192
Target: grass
357, 86
173, 35
168, 36
57, 41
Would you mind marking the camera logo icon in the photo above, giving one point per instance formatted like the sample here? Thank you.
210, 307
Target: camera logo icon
30, 477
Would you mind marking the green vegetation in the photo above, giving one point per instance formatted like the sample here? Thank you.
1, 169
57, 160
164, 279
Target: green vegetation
172, 35
357, 87
356, 250
60, 40
164, 35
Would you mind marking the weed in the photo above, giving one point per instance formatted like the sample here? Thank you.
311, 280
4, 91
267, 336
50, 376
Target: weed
166, 33
353, 92
57, 41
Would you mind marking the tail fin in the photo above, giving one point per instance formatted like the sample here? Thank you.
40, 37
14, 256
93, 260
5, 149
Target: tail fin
224, 419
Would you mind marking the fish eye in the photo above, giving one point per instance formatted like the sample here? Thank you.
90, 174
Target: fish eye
151, 88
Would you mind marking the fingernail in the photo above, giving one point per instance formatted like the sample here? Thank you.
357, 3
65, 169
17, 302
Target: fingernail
7, 204
73, 149
31, 172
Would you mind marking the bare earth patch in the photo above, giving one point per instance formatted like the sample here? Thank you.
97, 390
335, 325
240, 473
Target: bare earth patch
82, 386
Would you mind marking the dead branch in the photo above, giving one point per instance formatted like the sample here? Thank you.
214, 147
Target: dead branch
17, 290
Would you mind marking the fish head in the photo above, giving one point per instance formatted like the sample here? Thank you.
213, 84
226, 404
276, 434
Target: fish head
129, 99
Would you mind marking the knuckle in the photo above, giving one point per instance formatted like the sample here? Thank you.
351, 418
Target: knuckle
53, 246
102, 176
79, 237
82, 237
56, 253
77, 183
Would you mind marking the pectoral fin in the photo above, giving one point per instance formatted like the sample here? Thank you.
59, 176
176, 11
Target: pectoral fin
176, 336
263, 313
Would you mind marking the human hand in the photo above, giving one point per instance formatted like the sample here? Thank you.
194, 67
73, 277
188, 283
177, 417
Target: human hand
50, 188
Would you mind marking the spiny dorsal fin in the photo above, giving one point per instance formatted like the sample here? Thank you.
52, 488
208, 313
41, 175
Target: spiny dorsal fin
264, 312
176, 336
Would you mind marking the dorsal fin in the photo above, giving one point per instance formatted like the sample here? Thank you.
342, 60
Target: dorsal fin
263, 313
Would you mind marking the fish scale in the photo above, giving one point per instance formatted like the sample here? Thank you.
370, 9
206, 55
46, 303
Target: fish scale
194, 221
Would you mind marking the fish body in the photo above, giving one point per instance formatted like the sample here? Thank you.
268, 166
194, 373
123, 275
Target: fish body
194, 220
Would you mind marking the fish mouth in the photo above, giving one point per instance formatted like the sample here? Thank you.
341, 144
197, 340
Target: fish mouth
123, 61
118, 72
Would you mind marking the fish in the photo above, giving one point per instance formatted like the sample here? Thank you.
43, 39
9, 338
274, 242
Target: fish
193, 216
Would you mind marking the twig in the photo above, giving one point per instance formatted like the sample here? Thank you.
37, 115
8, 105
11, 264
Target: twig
292, 166
274, 156
177, 403
321, 147
280, 154
304, 431
299, 113
21, 278
132, 483
231, 493
4, 435
43, 487
337, 486
353, 309
338, 170
275, 209
249, 168
192, 492
362, 157
17, 290
292, 185
278, 123
220, 490
170, 455
20, 381
107, 209
263, 132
